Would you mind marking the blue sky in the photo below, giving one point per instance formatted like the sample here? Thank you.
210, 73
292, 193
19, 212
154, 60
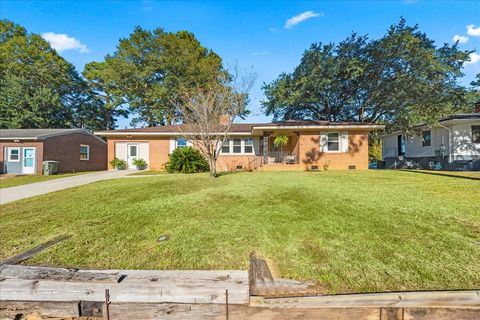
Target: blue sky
251, 33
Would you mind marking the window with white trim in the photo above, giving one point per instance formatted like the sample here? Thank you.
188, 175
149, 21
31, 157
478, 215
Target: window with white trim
181, 143
248, 145
226, 146
333, 141
238, 146
13, 154
426, 138
84, 152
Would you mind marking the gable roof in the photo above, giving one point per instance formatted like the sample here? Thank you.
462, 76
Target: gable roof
245, 128
37, 134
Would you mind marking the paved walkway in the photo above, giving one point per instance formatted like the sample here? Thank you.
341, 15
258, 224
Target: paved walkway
38, 188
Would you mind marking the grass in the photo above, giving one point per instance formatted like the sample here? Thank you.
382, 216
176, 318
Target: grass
7, 181
147, 173
349, 231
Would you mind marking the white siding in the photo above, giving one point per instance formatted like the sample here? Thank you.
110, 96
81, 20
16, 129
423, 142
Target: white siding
463, 147
389, 148
121, 150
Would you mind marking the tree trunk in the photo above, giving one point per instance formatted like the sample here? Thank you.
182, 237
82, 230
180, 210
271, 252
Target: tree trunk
213, 168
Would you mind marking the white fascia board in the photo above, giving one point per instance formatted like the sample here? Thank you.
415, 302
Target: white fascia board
164, 134
16, 138
372, 127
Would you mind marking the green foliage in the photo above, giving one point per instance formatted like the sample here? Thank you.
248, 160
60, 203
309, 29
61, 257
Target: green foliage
375, 149
280, 141
103, 79
140, 163
150, 70
186, 160
401, 79
118, 164
39, 88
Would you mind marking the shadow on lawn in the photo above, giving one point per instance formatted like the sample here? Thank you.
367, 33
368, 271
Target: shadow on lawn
444, 174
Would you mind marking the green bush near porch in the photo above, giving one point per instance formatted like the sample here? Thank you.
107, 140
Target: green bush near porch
349, 231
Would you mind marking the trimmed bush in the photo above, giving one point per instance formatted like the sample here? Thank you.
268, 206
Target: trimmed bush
186, 160
118, 164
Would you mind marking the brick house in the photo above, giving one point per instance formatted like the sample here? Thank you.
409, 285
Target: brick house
22, 151
312, 145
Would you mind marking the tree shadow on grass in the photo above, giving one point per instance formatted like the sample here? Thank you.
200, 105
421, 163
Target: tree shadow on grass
444, 174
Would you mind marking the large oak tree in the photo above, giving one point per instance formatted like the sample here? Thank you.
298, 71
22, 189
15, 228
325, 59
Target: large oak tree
401, 79
39, 88
151, 70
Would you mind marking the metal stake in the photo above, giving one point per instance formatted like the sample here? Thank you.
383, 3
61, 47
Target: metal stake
107, 303
226, 302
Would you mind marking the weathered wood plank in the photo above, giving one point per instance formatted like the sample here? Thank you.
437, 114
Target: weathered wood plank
61, 274
172, 311
262, 283
441, 314
235, 312
10, 309
437, 299
138, 286
31, 252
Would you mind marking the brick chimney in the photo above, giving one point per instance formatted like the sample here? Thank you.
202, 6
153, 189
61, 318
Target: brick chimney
224, 120
477, 106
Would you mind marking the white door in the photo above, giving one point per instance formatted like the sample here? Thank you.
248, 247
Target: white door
28, 161
132, 154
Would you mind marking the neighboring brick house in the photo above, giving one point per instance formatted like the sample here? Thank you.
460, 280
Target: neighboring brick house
22, 151
311, 145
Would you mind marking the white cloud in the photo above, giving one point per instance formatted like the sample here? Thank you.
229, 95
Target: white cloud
300, 18
472, 31
262, 53
272, 29
62, 42
474, 58
460, 39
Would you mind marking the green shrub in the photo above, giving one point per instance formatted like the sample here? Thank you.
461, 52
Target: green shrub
186, 160
118, 164
140, 163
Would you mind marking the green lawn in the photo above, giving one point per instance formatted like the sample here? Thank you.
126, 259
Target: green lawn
349, 231
147, 173
7, 181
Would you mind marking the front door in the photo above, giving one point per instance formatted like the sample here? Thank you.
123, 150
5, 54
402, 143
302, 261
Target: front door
28, 161
132, 154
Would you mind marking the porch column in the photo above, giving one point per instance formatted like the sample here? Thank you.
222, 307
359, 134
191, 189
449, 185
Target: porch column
265, 140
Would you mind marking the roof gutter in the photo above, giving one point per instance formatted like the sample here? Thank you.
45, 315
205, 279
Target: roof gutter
372, 127
164, 134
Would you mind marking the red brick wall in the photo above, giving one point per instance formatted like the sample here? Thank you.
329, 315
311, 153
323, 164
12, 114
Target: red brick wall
66, 150
36, 144
357, 154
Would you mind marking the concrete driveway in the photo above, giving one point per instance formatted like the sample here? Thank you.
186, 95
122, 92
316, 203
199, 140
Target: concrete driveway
38, 188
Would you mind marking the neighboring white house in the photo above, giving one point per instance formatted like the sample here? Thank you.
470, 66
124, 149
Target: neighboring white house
453, 144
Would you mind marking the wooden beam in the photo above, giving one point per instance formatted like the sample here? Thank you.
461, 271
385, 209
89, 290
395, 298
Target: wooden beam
60, 274
262, 283
173, 311
138, 286
434, 299
31, 252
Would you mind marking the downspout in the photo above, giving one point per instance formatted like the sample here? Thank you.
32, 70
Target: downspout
450, 142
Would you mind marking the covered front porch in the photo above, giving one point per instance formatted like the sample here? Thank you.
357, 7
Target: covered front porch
280, 148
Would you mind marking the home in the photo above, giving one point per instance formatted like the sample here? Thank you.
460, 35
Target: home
454, 144
310, 145
22, 151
